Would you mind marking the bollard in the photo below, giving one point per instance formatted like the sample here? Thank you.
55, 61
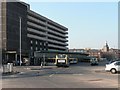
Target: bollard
10, 67
5, 68
41, 65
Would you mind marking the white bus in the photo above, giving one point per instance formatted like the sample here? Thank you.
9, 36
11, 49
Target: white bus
62, 60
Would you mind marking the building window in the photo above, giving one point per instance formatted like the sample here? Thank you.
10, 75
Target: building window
31, 48
36, 42
41, 48
36, 48
40, 43
31, 41
44, 44
45, 48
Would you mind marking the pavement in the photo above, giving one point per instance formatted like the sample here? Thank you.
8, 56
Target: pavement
30, 71
81, 75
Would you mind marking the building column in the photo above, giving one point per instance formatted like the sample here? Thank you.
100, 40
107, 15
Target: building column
16, 59
7, 58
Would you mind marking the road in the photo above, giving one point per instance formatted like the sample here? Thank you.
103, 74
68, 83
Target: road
80, 75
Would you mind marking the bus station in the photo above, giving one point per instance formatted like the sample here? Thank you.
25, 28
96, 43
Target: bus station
56, 57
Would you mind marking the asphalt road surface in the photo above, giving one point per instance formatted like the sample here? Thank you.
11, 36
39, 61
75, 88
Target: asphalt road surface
80, 75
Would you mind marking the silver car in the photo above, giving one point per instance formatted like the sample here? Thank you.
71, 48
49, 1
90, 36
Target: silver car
113, 67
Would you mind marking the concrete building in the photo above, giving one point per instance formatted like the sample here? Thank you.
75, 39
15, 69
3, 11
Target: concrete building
11, 13
78, 50
37, 32
92, 52
105, 52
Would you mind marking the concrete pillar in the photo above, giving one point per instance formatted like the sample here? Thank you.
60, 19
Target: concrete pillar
7, 56
34, 61
16, 59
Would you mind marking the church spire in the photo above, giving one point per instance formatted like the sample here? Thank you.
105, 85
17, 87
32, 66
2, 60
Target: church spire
106, 47
106, 44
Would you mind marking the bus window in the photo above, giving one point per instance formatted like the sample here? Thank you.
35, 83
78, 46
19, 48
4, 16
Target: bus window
61, 55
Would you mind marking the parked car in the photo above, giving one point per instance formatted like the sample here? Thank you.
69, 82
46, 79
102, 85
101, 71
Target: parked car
94, 61
113, 67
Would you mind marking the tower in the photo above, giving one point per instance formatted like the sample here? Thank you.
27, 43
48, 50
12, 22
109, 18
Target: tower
106, 47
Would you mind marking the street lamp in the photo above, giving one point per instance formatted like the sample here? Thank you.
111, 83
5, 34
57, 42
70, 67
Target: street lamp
20, 38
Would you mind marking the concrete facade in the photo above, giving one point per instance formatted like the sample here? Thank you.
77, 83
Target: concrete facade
44, 34
37, 32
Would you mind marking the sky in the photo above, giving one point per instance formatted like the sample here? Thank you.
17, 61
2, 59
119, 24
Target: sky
90, 24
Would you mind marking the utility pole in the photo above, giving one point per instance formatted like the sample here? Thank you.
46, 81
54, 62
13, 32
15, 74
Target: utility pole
20, 39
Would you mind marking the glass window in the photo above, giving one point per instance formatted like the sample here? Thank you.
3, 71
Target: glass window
31, 48
36, 42
61, 55
44, 44
118, 63
31, 41
36, 48
40, 43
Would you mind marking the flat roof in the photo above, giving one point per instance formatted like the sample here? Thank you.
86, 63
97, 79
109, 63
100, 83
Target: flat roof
62, 52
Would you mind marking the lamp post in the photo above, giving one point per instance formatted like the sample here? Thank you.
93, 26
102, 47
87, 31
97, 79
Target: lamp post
20, 38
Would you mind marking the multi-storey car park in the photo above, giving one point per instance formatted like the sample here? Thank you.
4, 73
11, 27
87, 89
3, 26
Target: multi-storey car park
44, 34
37, 32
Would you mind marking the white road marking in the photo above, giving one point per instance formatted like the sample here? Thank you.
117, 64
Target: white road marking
51, 75
22, 72
27, 68
77, 74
